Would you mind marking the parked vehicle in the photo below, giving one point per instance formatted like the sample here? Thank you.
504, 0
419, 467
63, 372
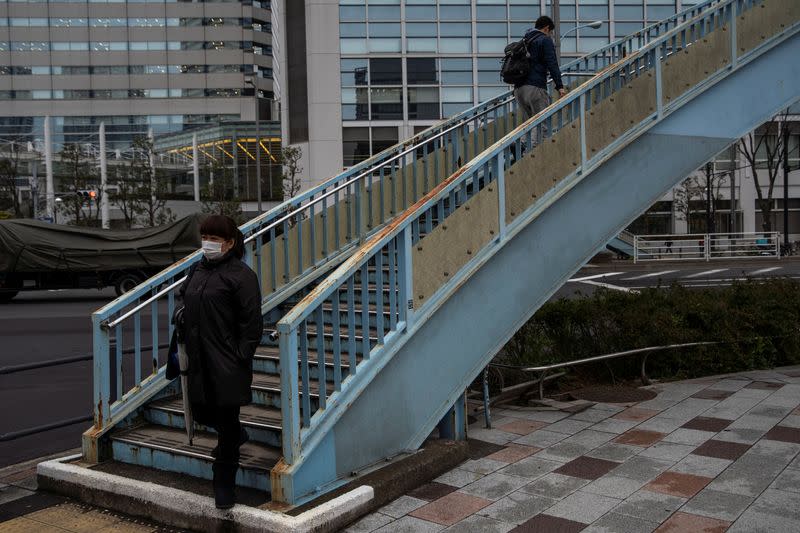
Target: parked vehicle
40, 256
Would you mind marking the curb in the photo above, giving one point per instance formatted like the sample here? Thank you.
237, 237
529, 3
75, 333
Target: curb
183, 509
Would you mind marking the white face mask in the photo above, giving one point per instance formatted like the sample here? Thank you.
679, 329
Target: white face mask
212, 250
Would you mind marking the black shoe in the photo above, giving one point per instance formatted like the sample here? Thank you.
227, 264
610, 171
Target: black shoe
243, 437
224, 486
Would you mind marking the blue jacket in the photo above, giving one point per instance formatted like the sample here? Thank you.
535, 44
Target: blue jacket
543, 59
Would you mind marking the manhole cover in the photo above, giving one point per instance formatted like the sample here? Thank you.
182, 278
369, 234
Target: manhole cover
613, 394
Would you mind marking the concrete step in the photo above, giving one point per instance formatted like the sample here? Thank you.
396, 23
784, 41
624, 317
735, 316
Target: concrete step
262, 422
167, 449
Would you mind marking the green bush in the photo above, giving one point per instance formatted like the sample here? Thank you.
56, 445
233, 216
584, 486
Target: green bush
757, 325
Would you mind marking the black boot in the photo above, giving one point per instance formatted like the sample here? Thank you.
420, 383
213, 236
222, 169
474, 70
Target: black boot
243, 437
224, 485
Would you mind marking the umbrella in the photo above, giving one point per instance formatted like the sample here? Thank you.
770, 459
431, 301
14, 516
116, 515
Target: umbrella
183, 363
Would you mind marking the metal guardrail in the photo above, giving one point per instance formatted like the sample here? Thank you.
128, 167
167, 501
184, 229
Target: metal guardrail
706, 247
412, 296
304, 211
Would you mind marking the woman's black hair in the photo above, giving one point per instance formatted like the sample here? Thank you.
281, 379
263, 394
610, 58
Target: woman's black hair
224, 227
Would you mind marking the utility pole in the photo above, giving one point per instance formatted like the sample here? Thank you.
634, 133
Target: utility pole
785, 182
709, 193
104, 222
556, 16
733, 188
48, 167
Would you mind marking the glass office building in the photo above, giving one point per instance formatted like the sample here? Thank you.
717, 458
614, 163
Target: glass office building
405, 64
136, 65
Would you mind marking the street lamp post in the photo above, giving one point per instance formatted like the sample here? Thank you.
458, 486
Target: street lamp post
594, 25
251, 82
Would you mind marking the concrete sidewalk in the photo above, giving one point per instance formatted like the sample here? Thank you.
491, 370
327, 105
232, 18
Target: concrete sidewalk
715, 454
23, 509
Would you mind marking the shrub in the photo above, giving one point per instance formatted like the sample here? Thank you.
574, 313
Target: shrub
756, 325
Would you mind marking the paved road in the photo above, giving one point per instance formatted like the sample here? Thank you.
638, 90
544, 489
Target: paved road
625, 276
47, 325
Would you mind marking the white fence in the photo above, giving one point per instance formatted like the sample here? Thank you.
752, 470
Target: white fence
705, 247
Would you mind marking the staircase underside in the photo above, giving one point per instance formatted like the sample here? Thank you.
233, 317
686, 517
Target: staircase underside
422, 375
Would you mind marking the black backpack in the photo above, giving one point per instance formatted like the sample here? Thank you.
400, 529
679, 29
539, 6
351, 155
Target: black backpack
516, 64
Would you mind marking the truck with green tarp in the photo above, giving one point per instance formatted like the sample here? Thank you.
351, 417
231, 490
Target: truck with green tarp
41, 256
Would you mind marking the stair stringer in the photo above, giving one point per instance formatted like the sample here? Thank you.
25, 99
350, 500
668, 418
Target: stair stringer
427, 369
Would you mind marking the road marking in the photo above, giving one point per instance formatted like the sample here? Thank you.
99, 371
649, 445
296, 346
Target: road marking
609, 286
651, 275
606, 275
706, 273
764, 270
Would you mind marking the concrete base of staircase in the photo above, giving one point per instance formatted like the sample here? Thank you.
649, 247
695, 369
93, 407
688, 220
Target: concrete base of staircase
184, 502
184, 509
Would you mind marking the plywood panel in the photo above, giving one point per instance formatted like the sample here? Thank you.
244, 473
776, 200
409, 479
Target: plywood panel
541, 168
611, 117
441, 253
688, 67
759, 23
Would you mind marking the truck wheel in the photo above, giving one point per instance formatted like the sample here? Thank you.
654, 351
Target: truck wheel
7, 295
126, 282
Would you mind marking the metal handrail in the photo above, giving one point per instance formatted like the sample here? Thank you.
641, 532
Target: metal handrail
368, 173
303, 429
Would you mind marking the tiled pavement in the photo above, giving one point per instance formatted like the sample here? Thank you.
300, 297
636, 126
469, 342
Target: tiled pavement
711, 455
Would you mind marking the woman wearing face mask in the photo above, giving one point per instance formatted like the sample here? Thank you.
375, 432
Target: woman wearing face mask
223, 326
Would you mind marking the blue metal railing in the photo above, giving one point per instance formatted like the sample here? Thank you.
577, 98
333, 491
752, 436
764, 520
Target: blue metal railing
386, 263
340, 213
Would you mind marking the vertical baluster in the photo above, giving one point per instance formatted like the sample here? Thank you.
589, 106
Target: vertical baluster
425, 160
351, 323
393, 180
258, 246
414, 192
337, 343
171, 309
321, 355
118, 351
382, 193
369, 186
359, 229
349, 235
304, 371
393, 280
273, 260
154, 331
365, 309
415, 230
286, 253
299, 227
404, 180
324, 217
313, 236
337, 243
137, 345
379, 289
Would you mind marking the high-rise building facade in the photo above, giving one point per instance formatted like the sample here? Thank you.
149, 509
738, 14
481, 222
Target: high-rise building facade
362, 74
136, 65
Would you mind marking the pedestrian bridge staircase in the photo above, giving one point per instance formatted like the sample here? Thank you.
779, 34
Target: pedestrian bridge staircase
392, 285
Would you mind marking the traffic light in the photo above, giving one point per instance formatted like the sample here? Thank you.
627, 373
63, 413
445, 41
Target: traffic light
87, 195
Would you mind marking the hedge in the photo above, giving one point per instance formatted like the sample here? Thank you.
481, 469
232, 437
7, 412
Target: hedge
757, 323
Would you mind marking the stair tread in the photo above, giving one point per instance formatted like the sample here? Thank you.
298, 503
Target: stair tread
252, 415
273, 381
273, 352
253, 455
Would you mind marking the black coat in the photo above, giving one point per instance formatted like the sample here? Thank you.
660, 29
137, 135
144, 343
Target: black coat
223, 325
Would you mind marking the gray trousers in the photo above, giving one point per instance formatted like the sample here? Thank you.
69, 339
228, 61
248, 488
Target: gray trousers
532, 100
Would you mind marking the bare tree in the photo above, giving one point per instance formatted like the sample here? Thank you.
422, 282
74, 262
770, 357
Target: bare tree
763, 150
290, 160
9, 172
220, 196
77, 176
140, 194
